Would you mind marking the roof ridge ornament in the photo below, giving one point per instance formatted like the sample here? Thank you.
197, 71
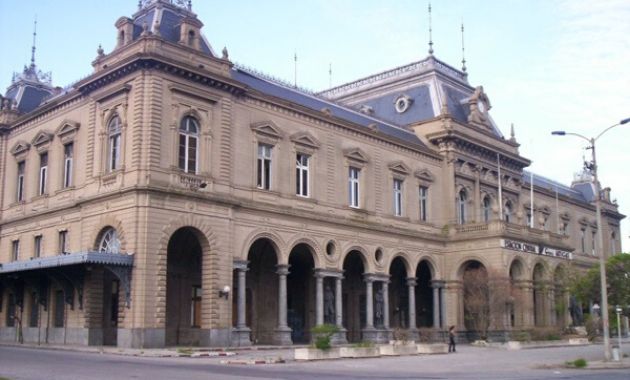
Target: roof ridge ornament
430, 32
178, 3
463, 50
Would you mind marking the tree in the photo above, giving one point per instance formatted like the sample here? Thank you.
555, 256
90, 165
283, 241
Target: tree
587, 286
486, 298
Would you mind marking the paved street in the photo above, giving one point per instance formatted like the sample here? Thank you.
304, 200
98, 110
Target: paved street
467, 363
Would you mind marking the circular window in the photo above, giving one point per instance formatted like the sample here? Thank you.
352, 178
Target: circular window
402, 103
330, 248
378, 255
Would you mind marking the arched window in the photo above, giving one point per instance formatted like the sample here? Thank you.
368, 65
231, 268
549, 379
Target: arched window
109, 242
507, 211
191, 38
613, 244
461, 207
486, 209
188, 137
114, 128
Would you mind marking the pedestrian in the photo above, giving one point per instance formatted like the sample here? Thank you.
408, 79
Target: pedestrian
451, 339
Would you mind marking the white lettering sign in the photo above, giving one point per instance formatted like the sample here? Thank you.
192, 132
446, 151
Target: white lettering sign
520, 246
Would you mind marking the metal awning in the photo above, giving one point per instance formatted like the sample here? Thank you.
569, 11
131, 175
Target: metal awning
102, 258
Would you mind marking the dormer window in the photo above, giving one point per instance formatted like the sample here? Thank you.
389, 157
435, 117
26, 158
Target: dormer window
121, 38
191, 38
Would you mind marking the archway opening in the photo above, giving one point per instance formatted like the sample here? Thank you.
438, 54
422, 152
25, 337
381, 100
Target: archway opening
183, 288
353, 295
476, 295
516, 303
300, 293
424, 295
561, 297
262, 291
540, 318
398, 294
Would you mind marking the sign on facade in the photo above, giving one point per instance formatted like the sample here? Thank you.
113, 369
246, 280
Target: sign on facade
535, 249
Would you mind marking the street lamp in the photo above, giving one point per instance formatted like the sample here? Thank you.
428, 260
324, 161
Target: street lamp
592, 167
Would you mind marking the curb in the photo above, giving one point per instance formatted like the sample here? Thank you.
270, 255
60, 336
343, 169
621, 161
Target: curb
254, 361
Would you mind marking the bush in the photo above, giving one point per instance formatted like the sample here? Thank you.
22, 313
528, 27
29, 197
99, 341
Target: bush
579, 363
521, 336
363, 344
593, 326
322, 334
401, 334
546, 333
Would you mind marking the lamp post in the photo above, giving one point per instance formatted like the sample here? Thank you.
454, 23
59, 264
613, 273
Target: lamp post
592, 167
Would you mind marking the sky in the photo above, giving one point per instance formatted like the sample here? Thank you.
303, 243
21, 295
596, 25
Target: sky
545, 64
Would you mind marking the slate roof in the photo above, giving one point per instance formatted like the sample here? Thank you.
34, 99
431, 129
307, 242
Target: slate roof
582, 192
273, 88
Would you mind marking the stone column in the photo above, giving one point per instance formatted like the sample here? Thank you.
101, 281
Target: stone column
437, 323
338, 303
241, 334
385, 288
443, 308
319, 299
552, 307
478, 214
282, 334
369, 304
411, 284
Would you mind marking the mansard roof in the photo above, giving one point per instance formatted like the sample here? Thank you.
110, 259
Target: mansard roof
573, 192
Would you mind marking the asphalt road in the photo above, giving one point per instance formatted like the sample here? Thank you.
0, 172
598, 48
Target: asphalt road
468, 363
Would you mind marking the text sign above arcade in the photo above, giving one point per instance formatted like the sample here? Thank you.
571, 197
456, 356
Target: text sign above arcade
535, 249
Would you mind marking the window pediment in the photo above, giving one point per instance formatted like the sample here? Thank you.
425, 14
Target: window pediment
20, 147
267, 129
356, 154
565, 216
583, 221
67, 129
305, 139
545, 210
424, 175
42, 138
399, 167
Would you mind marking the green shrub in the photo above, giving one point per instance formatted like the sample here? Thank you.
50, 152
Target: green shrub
322, 334
580, 363
363, 344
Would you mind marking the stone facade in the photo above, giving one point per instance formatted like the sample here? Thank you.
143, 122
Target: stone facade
168, 153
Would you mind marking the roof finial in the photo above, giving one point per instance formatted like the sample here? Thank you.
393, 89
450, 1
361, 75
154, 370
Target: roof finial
190, 5
512, 135
430, 32
33, 48
295, 69
463, 50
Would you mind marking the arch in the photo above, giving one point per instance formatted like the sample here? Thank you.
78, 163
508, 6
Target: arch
462, 200
486, 207
109, 222
404, 256
188, 146
460, 266
276, 241
314, 248
301, 292
540, 271
436, 273
354, 293
363, 254
517, 270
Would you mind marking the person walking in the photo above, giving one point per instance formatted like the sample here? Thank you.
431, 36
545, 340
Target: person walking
451, 339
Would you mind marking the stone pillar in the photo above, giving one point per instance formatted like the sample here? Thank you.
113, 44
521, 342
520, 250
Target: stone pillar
282, 334
443, 308
241, 334
319, 299
369, 304
338, 303
437, 322
478, 214
552, 307
385, 288
411, 284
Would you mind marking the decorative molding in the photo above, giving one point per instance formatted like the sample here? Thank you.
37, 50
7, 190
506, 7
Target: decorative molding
42, 139
20, 147
267, 129
399, 167
424, 175
356, 154
67, 130
305, 139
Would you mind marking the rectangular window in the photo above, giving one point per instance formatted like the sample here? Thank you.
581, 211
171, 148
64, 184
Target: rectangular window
264, 166
424, 199
15, 250
301, 174
67, 164
43, 172
59, 309
593, 241
529, 219
114, 152
353, 187
195, 307
37, 246
20, 181
63, 242
398, 197
34, 315
583, 240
